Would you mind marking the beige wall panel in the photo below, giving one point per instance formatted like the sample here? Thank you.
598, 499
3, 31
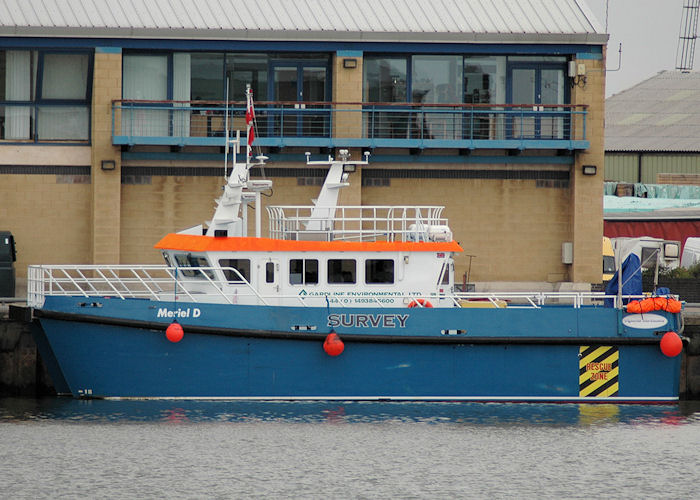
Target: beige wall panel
586, 194
45, 155
513, 228
106, 185
168, 204
50, 221
171, 204
347, 87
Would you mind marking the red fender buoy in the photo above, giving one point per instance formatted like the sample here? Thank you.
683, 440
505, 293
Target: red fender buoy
174, 332
671, 344
422, 302
333, 345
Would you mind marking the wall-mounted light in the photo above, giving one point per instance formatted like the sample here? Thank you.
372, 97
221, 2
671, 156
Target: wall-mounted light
589, 169
108, 165
349, 63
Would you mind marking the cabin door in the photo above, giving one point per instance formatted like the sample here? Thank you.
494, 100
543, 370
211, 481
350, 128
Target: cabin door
269, 281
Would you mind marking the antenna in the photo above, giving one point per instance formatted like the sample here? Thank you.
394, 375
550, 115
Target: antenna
687, 35
226, 132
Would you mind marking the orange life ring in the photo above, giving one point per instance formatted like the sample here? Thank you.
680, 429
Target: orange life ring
421, 302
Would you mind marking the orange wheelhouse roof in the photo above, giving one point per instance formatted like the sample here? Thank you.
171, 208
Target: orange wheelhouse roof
195, 243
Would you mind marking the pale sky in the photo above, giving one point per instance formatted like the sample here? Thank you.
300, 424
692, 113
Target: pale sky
648, 30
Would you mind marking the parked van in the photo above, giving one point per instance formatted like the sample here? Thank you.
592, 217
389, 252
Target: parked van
691, 252
649, 250
608, 260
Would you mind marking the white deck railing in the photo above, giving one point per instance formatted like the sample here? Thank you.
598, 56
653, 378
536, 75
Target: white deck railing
161, 283
154, 282
359, 223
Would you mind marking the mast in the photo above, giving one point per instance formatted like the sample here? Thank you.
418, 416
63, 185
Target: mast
321, 218
227, 219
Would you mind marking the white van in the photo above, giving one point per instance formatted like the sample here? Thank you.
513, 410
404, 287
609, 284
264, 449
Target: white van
649, 249
691, 252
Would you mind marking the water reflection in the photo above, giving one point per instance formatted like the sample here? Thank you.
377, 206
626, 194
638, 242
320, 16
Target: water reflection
485, 414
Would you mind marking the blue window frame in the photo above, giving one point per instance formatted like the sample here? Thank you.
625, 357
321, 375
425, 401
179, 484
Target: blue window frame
46, 95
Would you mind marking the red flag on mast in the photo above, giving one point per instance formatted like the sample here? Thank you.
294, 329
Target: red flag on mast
250, 118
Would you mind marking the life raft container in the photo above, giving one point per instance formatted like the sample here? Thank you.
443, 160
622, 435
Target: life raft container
654, 304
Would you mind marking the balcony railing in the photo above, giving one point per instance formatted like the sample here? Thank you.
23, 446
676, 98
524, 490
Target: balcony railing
366, 125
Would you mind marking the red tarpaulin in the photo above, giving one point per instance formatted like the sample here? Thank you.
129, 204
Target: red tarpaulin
677, 230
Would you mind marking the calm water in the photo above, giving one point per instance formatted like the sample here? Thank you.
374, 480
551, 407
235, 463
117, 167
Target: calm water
62, 448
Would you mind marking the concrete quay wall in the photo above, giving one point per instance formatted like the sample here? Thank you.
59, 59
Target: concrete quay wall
22, 372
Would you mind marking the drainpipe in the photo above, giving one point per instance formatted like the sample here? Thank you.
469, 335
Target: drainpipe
639, 167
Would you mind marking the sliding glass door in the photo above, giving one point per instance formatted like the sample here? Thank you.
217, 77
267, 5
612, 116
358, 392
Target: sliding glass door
535, 85
299, 85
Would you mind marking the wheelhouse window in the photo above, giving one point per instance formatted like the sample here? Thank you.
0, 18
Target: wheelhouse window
187, 265
270, 272
303, 272
45, 95
342, 271
240, 269
379, 271
445, 273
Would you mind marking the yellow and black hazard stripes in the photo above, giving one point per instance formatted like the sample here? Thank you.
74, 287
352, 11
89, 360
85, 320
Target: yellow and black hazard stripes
598, 371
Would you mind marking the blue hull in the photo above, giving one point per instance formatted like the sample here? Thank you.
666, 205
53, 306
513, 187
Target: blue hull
118, 348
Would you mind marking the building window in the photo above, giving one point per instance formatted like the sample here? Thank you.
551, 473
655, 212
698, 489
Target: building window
45, 95
342, 271
145, 77
484, 79
379, 271
247, 69
437, 80
240, 265
385, 79
207, 77
303, 272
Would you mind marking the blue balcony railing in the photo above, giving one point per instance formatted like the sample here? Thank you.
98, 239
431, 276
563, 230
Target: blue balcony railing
366, 125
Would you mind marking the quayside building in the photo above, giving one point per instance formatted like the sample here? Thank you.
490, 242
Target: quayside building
112, 121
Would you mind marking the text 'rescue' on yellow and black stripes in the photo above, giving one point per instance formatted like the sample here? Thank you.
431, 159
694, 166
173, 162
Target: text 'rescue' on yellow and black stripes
598, 371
